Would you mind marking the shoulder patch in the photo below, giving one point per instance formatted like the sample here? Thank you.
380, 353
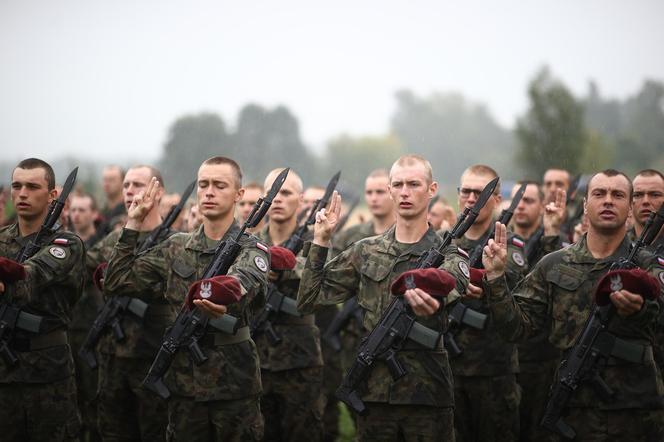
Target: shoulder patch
517, 242
463, 266
57, 252
262, 246
260, 263
462, 252
660, 261
518, 259
61, 241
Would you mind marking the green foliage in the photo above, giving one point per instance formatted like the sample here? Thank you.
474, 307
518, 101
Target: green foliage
552, 133
357, 157
452, 134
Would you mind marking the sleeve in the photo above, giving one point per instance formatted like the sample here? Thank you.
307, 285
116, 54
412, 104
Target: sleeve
331, 283
54, 263
456, 263
250, 268
129, 274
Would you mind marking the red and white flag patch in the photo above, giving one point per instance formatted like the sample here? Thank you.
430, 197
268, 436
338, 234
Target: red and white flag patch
262, 246
660, 260
517, 242
462, 252
61, 241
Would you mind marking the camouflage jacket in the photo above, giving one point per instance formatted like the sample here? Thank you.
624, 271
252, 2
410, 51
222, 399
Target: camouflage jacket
300, 343
367, 269
538, 245
484, 352
52, 287
167, 270
555, 300
142, 336
342, 240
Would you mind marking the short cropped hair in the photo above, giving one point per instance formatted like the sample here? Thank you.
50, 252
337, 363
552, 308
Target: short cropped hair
224, 160
483, 170
650, 172
153, 171
611, 173
291, 174
411, 159
540, 191
36, 163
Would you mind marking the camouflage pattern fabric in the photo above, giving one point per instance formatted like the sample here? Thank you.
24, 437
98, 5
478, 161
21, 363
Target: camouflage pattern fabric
232, 371
52, 287
555, 299
406, 423
237, 420
291, 371
534, 381
366, 270
293, 408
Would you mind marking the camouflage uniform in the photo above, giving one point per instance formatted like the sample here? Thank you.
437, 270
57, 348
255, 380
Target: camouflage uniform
366, 270
123, 365
83, 315
485, 390
38, 394
555, 300
222, 393
291, 371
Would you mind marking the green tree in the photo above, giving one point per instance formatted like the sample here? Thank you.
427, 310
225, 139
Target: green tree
191, 140
552, 133
452, 133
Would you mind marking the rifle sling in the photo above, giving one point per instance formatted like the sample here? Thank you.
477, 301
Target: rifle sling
465, 315
610, 345
29, 322
225, 323
217, 338
424, 336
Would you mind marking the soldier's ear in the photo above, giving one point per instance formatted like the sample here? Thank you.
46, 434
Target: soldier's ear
585, 206
239, 194
433, 189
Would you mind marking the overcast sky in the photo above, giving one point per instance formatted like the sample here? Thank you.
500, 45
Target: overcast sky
105, 79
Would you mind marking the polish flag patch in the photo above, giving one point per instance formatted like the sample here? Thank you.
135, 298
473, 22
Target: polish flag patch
462, 252
262, 246
61, 241
660, 261
517, 242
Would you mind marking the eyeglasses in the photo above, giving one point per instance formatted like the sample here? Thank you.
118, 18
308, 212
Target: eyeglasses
465, 192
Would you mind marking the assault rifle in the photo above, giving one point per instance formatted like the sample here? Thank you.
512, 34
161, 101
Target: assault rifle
114, 309
11, 316
191, 325
397, 324
275, 301
595, 343
351, 311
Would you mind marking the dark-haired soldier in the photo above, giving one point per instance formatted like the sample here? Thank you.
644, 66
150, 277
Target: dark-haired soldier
648, 197
556, 298
218, 400
38, 391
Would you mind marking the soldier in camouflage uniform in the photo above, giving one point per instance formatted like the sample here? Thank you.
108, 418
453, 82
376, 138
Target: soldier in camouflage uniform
82, 212
38, 393
127, 411
539, 225
218, 400
291, 370
418, 406
377, 197
555, 300
485, 388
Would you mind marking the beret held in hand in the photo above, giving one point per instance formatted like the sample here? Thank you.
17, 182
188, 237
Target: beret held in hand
435, 282
220, 290
98, 275
637, 281
11, 271
476, 276
281, 259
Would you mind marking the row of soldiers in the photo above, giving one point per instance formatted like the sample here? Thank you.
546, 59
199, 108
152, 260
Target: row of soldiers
488, 382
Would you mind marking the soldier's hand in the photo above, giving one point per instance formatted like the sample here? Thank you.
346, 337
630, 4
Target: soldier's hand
473, 291
326, 221
272, 276
210, 308
422, 303
141, 205
626, 302
554, 213
494, 255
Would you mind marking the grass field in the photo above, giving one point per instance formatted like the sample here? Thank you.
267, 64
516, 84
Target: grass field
346, 425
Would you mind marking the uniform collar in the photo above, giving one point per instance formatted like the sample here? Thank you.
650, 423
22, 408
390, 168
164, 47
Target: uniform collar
391, 247
579, 253
198, 241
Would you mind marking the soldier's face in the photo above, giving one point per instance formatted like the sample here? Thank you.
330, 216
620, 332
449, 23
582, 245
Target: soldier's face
530, 208
377, 196
111, 179
81, 213
608, 203
248, 202
436, 215
410, 190
30, 194
554, 179
218, 191
470, 187
285, 205
647, 197
135, 181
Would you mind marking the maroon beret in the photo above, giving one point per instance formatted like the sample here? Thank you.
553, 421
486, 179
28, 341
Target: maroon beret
98, 275
434, 281
476, 276
281, 258
221, 290
637, 281
11, 271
